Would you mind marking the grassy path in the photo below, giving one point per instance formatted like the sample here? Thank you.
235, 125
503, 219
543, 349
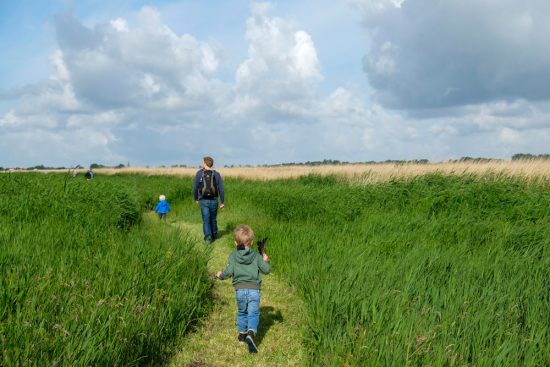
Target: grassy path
215, 343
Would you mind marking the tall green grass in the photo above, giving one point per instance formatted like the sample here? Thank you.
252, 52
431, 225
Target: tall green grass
439, 270
83, 281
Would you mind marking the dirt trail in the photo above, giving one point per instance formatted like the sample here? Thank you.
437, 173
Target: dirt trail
215, 342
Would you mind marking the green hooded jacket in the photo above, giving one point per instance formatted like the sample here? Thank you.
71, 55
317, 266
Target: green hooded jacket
244, 266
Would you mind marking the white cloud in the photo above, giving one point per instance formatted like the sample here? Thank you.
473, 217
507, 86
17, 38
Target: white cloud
304, 57
150, 17
8, 119
62, 73
114, 77
281, 74
508, 135
105, 119
345, 106
133, 89
120, 25
142, 64
456, 53
376, 6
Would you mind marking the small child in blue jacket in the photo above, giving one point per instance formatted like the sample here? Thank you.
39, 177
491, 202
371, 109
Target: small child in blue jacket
162, 207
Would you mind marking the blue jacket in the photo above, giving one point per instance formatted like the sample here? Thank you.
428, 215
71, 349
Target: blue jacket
162, 207
217, 181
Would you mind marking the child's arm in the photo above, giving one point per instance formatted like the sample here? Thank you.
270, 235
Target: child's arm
227, 273
167, 207
263, 264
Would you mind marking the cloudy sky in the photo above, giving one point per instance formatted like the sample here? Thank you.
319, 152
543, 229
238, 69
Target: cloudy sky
167, 82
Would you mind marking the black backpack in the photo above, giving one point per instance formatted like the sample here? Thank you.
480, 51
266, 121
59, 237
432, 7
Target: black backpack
207, 185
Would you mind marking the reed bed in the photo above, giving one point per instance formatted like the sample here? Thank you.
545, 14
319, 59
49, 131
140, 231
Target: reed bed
360, 173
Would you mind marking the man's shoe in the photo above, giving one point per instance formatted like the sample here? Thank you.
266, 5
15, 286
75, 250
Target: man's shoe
242, 337
249, 340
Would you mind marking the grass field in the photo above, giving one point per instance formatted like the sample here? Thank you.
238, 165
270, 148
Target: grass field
434, 269
438, 270
84, 281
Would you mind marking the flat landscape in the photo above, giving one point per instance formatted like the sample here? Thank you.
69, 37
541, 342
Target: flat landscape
393, 153
436, 264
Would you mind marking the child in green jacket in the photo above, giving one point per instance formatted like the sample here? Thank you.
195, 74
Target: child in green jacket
244, 266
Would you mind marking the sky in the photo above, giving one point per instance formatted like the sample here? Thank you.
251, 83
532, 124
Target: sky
168, 82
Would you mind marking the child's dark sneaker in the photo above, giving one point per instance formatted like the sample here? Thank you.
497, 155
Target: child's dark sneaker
242, 337
249, 340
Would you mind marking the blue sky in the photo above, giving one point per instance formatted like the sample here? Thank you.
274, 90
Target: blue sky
166, 82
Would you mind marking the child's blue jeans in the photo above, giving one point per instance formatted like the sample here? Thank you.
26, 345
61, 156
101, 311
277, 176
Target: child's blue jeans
248, 309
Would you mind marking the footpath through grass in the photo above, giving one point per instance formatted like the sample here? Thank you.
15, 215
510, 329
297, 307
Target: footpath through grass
215, 341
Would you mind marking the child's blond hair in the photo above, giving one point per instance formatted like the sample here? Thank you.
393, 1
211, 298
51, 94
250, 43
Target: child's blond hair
244, 235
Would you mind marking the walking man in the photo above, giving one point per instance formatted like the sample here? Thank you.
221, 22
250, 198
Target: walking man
207, 187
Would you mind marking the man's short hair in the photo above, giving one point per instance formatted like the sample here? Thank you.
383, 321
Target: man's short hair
244, 235
209, 161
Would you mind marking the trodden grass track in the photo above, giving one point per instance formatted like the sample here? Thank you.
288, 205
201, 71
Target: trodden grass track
215, 341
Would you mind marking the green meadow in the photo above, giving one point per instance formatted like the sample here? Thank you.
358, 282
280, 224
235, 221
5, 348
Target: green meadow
436, 270
84, 280
433, 271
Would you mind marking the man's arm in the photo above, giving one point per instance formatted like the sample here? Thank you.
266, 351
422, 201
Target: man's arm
219, 181
196, 186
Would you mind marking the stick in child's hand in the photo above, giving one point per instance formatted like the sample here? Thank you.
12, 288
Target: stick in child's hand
261, 246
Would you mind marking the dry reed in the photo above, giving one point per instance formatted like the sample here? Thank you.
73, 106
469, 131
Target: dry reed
363, 173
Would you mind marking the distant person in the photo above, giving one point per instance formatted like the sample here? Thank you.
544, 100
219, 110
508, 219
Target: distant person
89, 174
244, 266
162, 208
207, 187
74, 172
